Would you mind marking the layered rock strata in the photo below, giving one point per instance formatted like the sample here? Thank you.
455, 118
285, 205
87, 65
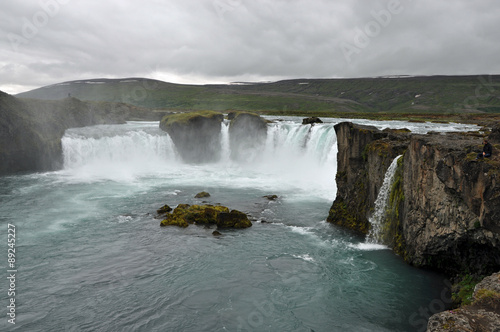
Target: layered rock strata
444, 211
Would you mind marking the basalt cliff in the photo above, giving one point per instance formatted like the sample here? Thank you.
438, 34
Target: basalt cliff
444, 206
31, 130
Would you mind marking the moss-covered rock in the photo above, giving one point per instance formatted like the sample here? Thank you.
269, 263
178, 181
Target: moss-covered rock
164, 210
196, 135
481, 314
185, 214
365, 154
202, 194
233, 219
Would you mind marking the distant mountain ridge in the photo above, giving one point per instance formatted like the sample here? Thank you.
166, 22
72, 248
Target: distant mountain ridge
389, 94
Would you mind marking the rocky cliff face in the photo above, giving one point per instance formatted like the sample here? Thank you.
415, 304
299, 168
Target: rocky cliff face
452, 205
196, 135
31, 130
364, 154
483, 314
445, 206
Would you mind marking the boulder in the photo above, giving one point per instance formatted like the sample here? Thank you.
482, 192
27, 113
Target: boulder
184, 215
164, 210
202, 194
196, 135
233, 219
483, 314
311, 120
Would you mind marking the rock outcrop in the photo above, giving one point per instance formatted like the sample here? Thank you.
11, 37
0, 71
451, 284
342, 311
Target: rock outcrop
451, 215
184, 215
444, 210
364, 154
196, 135
247, 135
483, 314
312, 120
31, 130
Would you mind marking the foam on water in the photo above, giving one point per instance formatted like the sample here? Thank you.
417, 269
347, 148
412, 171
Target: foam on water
93, 250
366, 246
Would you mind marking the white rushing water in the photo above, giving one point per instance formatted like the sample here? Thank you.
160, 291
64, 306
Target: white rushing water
297, 156
377, 219
93, 257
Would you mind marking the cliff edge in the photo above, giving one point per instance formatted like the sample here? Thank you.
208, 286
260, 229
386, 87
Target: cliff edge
444, 207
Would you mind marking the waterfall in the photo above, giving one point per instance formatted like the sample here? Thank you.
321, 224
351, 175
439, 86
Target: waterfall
226, 150
302, 155
378, 217
117, 151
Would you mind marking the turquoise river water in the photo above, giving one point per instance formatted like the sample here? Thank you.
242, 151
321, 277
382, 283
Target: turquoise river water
90, 254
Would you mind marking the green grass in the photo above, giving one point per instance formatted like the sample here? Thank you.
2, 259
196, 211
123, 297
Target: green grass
438, 95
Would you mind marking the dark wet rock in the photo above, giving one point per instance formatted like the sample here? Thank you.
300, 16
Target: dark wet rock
311, 120
202, 194
184, 215
444, 211
164, 210
271, 197
233, 219
216, 233
196, 135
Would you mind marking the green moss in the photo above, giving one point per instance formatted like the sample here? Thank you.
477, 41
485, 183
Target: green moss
185, 118
185, 214
341, 215
381, 147
202, 194
487, 294
464, 289
393, 230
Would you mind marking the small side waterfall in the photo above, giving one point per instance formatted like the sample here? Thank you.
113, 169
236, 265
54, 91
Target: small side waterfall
378, 217
226, 149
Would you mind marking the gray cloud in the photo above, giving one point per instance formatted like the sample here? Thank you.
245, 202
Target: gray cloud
49, 41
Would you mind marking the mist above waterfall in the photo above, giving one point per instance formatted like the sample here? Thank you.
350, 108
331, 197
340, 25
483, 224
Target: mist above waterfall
287, 156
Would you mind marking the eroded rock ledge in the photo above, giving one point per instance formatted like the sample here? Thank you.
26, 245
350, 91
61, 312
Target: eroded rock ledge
483, 314
444, 209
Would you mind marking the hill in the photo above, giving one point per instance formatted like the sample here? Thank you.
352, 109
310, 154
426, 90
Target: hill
398, 94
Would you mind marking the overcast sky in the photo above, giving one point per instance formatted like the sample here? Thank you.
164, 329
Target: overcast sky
44, 42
